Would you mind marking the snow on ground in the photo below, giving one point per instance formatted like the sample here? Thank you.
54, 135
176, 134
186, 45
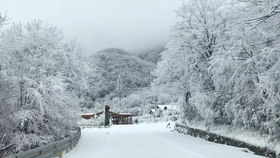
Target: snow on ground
248, 136
148, 141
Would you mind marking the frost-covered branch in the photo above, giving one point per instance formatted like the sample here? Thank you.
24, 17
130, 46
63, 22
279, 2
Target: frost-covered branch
275, 10
3, 19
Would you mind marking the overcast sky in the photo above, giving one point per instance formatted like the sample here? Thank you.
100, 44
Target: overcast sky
134, 25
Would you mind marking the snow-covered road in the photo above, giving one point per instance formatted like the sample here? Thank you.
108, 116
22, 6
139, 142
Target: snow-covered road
148, 141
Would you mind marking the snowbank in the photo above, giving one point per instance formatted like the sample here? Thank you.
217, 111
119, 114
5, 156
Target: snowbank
242, 135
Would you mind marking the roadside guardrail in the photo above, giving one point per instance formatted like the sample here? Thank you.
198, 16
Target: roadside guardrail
51, 150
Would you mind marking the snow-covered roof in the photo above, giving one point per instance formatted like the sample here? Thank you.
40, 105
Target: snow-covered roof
169, 107
125, 113
153, 110
162, 107
88, 114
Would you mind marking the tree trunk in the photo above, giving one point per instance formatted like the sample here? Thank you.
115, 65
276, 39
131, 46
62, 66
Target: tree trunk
21, 93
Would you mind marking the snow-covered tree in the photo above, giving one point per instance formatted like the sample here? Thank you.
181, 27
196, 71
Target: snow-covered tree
255, 83
225, 56
119, 88
5, 109
152, 55
45, 77
185, 63
113, 64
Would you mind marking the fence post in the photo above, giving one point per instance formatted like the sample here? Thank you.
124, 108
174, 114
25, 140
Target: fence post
71, 142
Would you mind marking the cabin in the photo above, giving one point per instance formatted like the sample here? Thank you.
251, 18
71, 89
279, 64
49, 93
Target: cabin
160, 110
121, 118
91, 115
88, 115
168, 107
117, 118
152, 111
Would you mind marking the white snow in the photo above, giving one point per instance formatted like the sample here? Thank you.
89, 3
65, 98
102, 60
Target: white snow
248, 136
169, 107
126, 113
153, 110
146, 141
87, 113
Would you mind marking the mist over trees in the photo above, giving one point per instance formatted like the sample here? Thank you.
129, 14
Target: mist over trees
152, 55
123, 73
119, 75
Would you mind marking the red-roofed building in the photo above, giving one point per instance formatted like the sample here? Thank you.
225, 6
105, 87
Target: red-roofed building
117, 118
